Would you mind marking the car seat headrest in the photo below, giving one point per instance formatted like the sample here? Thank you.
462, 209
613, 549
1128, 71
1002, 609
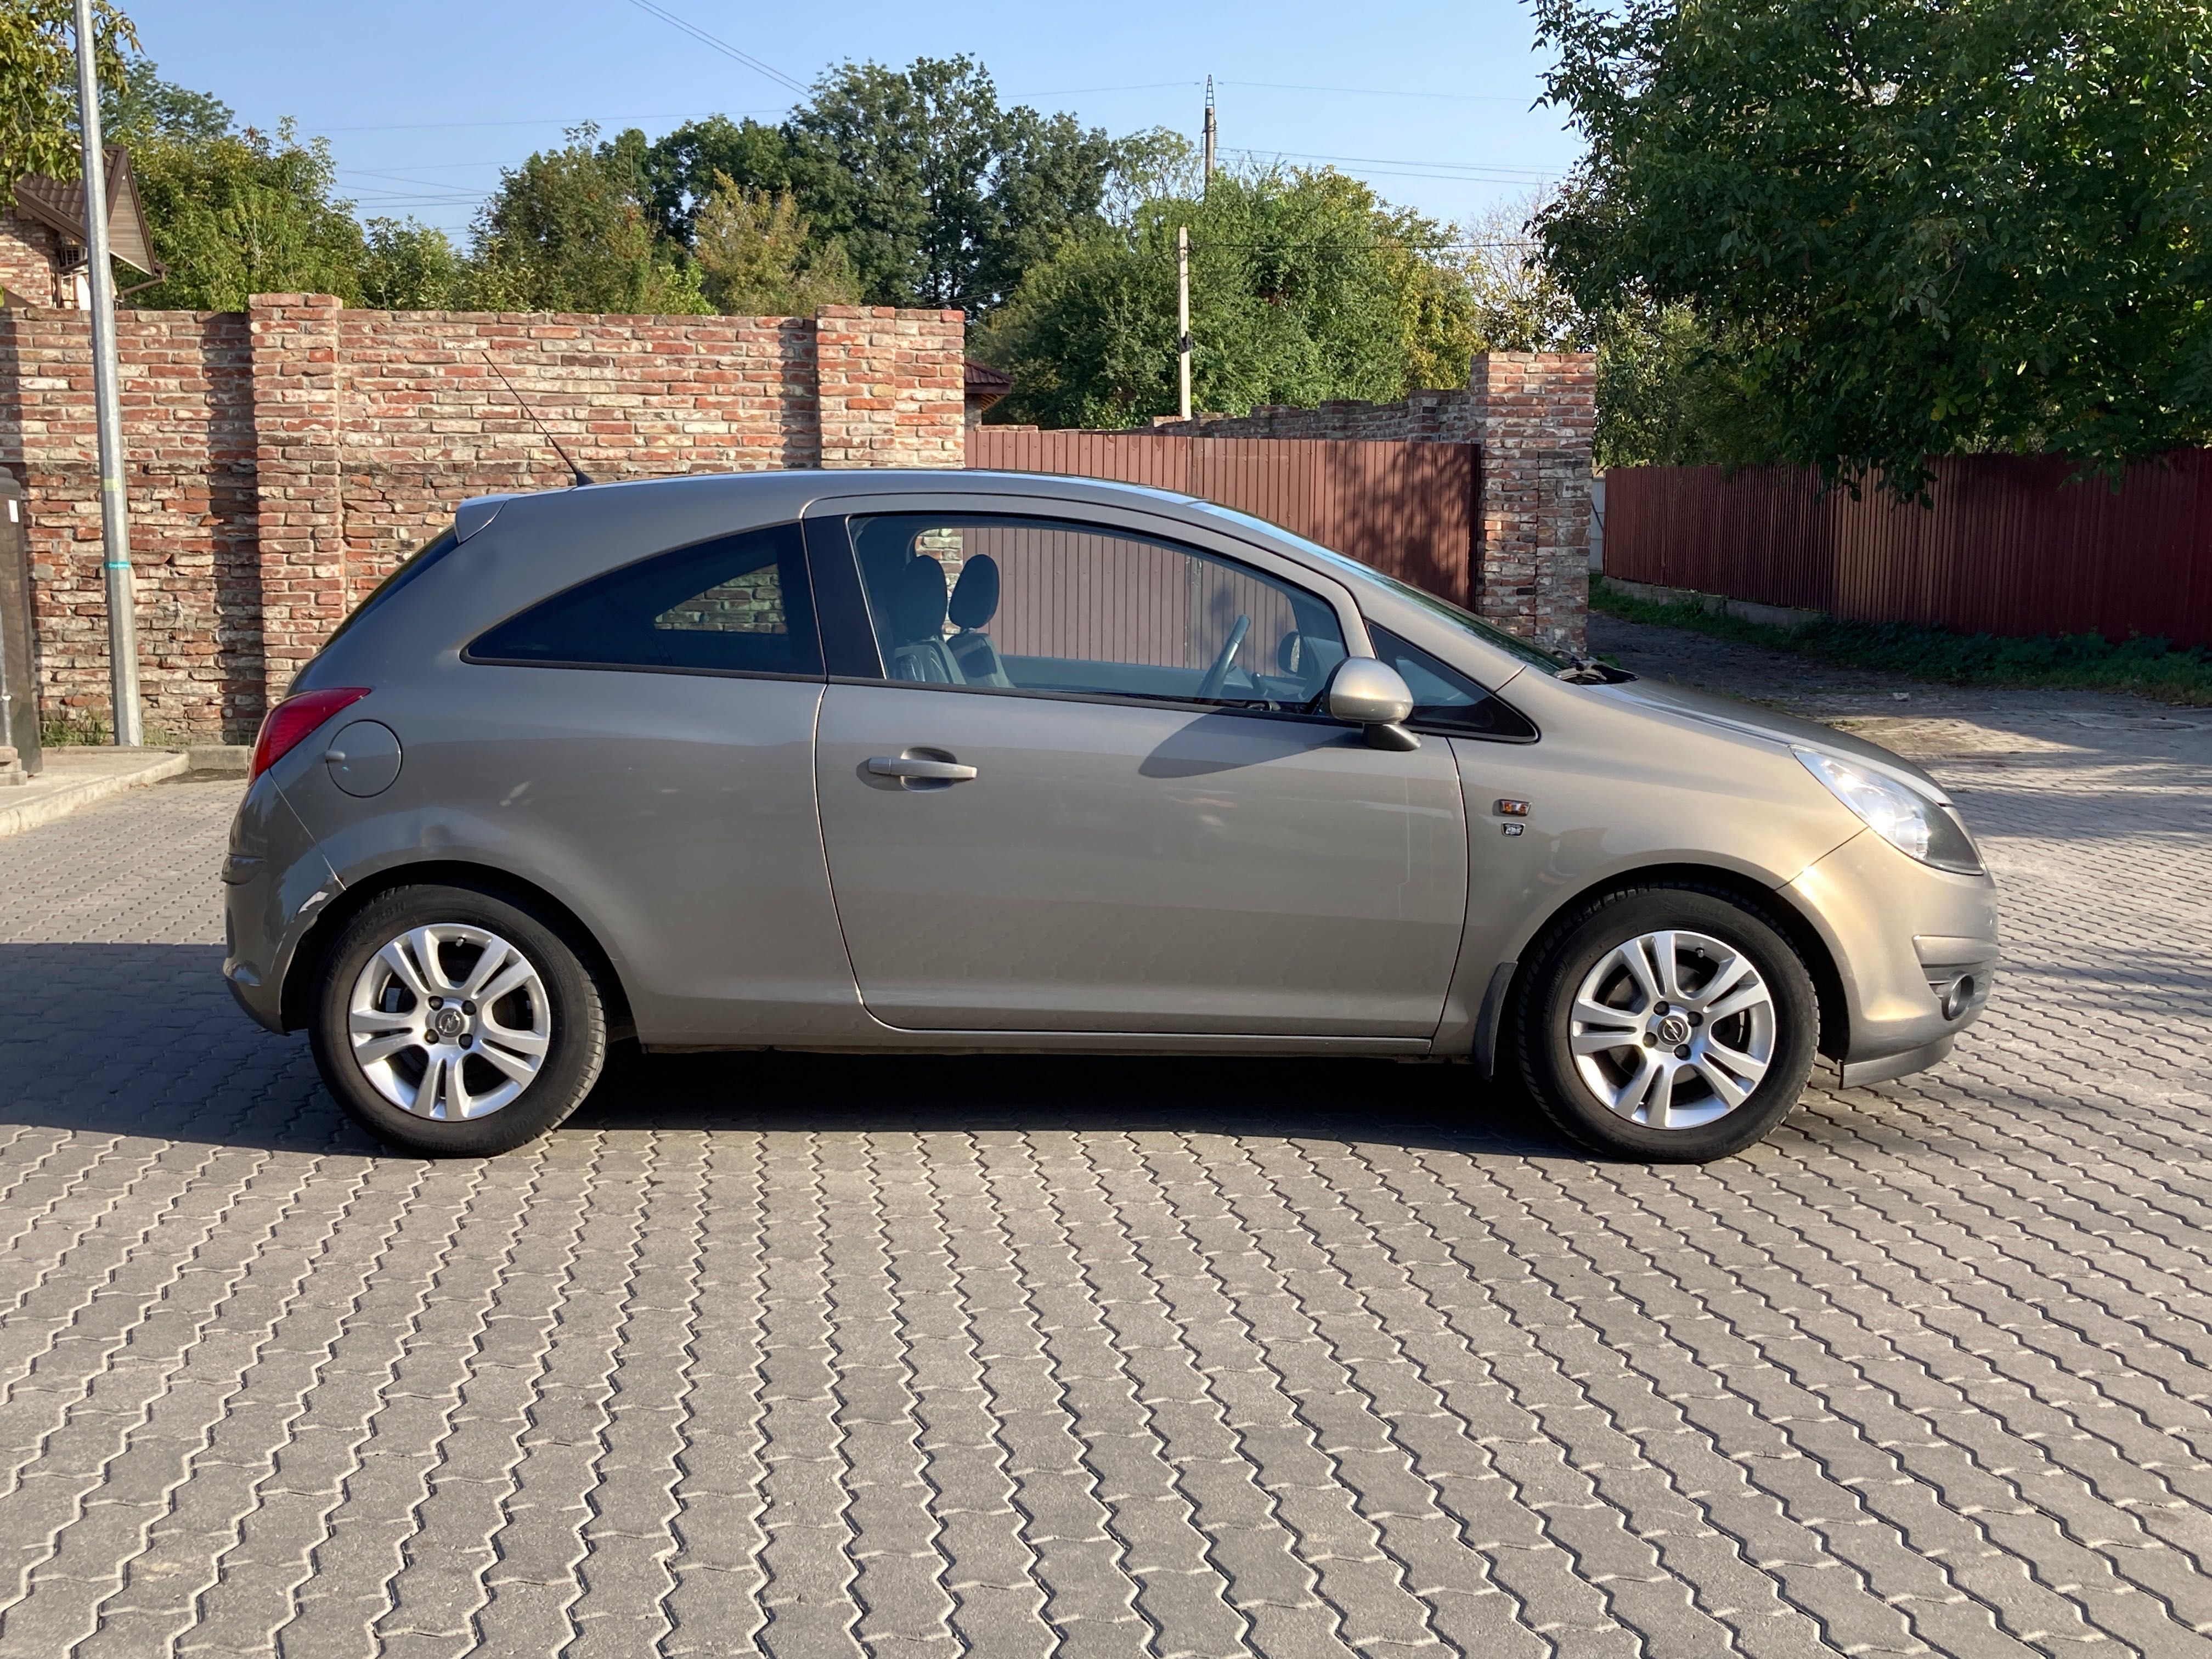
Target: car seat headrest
918, 605
975, 595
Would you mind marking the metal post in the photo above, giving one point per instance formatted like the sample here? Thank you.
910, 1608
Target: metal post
1182, 312
1207, 148
114, 508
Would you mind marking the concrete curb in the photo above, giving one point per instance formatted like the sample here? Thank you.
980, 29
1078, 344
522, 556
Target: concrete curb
1716, 605
63, 798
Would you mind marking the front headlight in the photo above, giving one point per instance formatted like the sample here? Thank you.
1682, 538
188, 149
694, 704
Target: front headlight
1901, 815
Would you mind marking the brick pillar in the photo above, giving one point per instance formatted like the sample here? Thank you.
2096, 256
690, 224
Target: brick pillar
301, 516
891, 393
1536, 414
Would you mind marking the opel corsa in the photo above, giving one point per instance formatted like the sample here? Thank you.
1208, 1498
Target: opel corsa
903, 762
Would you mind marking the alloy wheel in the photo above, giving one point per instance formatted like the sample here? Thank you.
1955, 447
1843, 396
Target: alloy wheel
1672, 1029
449, 1021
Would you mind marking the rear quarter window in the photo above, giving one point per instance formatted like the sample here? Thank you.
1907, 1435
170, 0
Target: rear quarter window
738, 604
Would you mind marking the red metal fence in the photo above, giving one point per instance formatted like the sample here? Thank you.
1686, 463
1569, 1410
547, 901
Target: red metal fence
2007, 546
1406, 508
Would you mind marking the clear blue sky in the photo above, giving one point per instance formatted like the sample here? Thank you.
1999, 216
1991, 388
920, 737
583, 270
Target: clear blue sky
424, 101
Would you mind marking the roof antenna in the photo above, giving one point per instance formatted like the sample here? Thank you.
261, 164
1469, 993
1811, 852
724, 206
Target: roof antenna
577, 472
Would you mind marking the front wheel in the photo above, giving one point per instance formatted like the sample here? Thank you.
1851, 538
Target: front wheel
1667, 1024
455, 1024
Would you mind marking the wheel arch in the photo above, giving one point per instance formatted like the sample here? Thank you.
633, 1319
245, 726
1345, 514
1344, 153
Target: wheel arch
1774, 903
307, 956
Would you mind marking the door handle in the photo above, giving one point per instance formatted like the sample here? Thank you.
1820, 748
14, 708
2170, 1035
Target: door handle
917, 770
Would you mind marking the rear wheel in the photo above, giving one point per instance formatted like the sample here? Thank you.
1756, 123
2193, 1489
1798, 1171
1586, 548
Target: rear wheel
456, 1024
1667, 1024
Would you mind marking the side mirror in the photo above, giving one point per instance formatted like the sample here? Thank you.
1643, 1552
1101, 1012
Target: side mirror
1365, 692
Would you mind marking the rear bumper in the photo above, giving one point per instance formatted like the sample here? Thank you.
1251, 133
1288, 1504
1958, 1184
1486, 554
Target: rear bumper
274, 884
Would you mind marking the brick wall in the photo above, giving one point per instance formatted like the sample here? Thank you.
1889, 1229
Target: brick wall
1534, 415
30, 255
282, 461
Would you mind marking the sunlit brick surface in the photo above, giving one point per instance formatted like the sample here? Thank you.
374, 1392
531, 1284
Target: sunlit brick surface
820, 1356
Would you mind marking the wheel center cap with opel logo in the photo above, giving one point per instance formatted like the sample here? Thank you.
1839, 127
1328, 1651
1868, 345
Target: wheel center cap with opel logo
448, 1023
1673, 1028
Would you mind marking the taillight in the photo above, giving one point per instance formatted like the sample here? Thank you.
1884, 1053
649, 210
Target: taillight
294, 719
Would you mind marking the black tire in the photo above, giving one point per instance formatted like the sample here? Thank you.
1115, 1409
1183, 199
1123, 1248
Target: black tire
575, 1012
1575, 945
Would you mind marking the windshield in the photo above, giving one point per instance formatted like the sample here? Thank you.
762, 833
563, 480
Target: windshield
1522, 650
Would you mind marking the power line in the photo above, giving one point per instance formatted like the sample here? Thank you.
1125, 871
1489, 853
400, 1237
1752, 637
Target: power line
547, 121
1379, 92
1533, 175
721, 45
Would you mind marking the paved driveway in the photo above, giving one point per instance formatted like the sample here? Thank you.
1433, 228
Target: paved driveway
819, 1357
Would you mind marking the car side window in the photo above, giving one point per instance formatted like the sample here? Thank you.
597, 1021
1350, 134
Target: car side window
1009, 604
738, 604
1446, 700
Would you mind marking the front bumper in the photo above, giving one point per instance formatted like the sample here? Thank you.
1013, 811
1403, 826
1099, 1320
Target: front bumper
1915, 949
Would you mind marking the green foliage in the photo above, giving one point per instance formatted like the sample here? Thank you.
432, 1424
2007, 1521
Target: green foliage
2076, 662
1303, 287
1907, 229
37, 84
571, 229
407, 266
756, 258
1669, 395
244, 213
682, 168
941, 196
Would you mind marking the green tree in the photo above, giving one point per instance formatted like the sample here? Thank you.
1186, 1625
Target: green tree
941, 196
757, 258
572, 229
682, 168
408, 266
37, 84
242, 213
1904, 230
1304, 287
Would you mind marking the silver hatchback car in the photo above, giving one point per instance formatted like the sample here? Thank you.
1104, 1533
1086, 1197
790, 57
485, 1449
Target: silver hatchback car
962, 762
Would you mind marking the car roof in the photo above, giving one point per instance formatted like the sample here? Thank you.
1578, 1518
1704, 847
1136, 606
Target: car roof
815, 483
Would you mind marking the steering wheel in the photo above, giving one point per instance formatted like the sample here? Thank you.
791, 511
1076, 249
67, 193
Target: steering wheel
1217, 676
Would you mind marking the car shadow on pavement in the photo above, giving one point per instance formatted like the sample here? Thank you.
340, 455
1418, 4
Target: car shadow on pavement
1436, 1106
144, 1040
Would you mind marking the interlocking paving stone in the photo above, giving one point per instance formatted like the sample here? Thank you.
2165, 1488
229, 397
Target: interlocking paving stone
817, 1356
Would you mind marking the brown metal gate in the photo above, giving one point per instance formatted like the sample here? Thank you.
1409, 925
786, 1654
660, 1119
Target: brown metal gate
1406, 508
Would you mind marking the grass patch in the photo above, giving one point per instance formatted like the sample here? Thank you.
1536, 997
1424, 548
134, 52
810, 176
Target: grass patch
67, 730
2070, 662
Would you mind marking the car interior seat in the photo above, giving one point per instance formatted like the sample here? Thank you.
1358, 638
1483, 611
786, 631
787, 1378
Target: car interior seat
974, 602
918, 611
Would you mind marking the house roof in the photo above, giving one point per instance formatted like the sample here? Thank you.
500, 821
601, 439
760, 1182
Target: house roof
983, 385
60, 204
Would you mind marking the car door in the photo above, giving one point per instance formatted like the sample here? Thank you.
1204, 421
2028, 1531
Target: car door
1077, 788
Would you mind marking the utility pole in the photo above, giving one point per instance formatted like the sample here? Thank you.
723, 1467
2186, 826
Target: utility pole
1205, 148
1182, 309
114, 506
